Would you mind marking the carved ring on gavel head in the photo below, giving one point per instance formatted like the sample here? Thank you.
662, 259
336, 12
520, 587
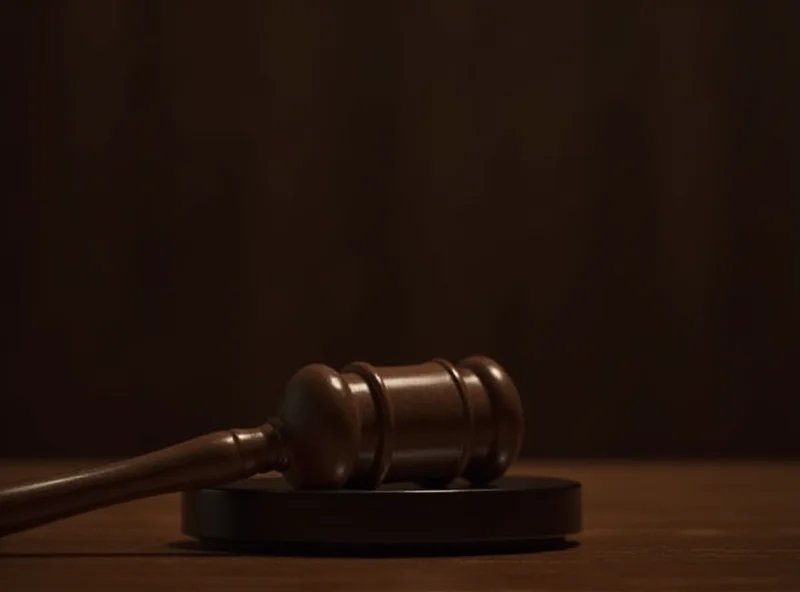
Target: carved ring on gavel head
361, 427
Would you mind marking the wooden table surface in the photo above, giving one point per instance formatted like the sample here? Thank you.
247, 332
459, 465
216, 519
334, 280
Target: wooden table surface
648, 526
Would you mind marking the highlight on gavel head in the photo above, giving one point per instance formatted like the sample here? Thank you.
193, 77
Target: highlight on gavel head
429, 423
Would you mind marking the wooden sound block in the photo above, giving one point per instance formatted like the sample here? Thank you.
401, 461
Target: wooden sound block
265, 513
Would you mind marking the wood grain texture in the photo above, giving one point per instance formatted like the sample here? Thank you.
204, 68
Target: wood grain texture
649, 526
600, 195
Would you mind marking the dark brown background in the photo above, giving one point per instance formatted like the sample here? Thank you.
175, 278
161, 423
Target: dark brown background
203, 196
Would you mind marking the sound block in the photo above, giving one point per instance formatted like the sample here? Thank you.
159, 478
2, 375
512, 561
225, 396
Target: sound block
266, 514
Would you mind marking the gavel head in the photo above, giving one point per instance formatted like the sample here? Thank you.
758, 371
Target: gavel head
429, 423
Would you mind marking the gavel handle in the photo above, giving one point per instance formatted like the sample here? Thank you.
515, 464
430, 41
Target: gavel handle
208, 460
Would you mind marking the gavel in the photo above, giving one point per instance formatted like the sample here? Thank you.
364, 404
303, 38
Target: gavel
428, 424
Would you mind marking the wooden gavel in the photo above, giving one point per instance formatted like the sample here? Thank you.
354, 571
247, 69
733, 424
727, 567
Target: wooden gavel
429, 423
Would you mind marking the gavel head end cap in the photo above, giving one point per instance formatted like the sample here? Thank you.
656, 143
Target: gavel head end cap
321, 427
507, 419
